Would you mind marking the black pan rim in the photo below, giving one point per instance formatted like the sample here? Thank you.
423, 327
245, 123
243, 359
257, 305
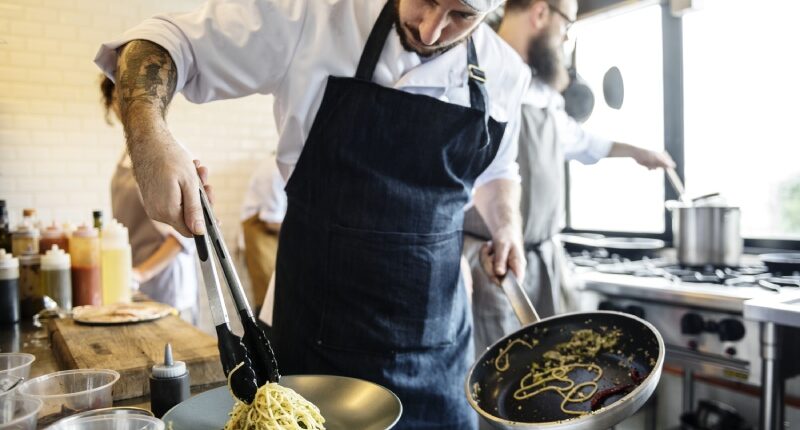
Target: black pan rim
655, 374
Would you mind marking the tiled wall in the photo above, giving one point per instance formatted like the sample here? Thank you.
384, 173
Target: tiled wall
57, 154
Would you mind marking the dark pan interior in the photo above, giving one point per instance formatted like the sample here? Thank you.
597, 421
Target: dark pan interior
637, 347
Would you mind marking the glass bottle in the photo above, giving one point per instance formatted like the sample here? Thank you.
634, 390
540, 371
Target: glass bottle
97, 216
84, 248
116, 263
5, 228
25, 240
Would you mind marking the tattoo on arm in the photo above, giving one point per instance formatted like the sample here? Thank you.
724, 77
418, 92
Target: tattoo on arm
146, 77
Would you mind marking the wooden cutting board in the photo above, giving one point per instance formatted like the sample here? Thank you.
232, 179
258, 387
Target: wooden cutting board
132, 349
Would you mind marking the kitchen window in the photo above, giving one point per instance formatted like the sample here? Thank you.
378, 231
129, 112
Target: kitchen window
617, 194
741, 114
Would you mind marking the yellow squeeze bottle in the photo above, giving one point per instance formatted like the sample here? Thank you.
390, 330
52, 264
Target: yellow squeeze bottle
115, 263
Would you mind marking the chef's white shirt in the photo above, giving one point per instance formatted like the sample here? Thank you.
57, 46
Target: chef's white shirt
578, 144
288, 48
265, 194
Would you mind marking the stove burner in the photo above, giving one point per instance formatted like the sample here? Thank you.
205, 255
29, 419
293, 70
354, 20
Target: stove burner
604, 262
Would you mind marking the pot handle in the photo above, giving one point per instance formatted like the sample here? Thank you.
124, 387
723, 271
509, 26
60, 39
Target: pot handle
520, 302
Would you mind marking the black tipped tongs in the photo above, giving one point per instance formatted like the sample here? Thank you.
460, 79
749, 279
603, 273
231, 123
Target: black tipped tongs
247, 361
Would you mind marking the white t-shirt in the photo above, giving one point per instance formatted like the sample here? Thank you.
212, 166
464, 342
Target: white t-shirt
288, 48
265, 194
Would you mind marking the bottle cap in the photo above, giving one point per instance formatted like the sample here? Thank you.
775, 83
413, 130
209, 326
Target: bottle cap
97, 214
55, 259
7, 261
169, 368
52, 231
26, 230
28, 212
85, 231
115, 235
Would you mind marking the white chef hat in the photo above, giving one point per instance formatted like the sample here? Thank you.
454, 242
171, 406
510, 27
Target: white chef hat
483, 5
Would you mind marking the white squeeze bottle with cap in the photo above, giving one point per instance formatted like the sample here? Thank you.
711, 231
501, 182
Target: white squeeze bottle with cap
169, 384
116, 265
54, 277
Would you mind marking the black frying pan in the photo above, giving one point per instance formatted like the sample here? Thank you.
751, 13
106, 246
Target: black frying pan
783, 263
640, 348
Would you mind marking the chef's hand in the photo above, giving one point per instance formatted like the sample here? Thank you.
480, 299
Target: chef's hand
652, 159
169, 182
503, 252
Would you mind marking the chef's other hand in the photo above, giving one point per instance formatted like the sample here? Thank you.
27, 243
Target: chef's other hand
653, 160
499, 255
169, 181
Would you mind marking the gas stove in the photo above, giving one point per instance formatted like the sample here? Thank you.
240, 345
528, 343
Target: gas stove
697, 310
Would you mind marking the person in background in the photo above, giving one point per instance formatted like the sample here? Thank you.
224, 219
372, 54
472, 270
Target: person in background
163, 260
537, 30
262, 213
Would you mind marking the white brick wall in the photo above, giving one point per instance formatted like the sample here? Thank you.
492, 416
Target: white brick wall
56, 151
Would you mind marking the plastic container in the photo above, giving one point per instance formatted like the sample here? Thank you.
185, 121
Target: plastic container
30, 298
116, 263
9, 288
84, 248
71, 391
52, 235
111, 422
25, 240
169, 384
14, 365
19, 413
119, 411
55, 277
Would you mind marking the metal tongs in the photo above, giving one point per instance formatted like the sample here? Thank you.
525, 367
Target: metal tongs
247, 361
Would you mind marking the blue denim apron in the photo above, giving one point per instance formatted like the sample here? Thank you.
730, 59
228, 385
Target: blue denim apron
367, 277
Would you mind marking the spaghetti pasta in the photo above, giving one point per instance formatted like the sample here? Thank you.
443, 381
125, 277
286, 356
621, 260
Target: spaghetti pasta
554, 373
275, 407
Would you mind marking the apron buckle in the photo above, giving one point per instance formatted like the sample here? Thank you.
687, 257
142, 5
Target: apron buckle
476, 73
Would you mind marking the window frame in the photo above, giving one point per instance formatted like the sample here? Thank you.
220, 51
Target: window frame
672, 63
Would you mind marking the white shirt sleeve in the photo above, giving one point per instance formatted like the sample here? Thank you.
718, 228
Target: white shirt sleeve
579, 144
225, 49
274, 201
265, 194
504, 165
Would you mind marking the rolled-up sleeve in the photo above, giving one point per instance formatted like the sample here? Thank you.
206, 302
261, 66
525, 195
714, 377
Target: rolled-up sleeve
579, 144
225, 49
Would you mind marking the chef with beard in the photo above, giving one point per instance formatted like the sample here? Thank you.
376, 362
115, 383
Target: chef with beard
392, 116
537, 30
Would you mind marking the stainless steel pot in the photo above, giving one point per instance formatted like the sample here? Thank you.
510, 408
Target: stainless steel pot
706, 235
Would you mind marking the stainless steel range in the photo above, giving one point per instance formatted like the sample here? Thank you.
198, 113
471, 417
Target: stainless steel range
699, 311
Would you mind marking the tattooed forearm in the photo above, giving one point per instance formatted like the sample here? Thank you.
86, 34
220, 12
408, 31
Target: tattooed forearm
146, 78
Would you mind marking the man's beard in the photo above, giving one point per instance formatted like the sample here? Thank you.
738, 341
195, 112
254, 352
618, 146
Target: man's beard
434, 50
547, 63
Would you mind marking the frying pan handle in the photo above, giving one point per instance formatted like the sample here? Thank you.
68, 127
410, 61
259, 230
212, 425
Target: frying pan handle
522, 305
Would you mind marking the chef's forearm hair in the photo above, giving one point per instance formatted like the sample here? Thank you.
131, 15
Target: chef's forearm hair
498, 203
146, 81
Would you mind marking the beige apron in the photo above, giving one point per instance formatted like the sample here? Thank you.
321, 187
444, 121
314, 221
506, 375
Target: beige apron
177, 284
541, 162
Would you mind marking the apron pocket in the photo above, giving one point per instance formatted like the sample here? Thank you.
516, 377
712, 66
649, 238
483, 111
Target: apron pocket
390, 292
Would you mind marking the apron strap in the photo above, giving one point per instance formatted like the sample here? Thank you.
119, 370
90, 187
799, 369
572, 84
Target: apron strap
374, 47
478, 96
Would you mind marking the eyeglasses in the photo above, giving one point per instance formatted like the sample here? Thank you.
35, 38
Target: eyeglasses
569, 20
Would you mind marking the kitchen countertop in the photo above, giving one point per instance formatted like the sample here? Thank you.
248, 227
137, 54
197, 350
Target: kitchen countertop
25, 337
